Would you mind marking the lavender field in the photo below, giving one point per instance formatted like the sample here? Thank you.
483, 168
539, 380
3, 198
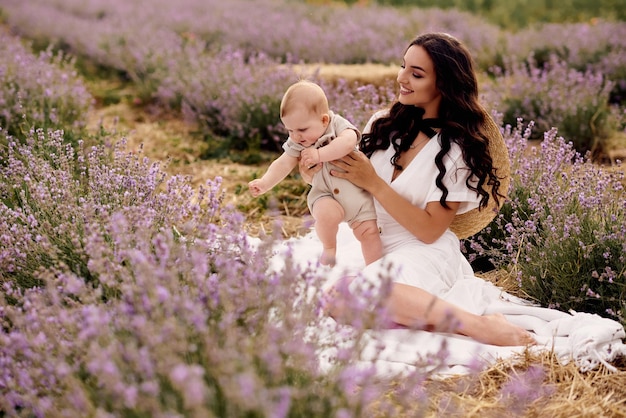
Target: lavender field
128, 289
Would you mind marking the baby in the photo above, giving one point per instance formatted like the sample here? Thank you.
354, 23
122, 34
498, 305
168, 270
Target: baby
317, 135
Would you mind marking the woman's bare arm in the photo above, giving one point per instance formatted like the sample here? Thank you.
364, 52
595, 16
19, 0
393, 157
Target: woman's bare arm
426, 224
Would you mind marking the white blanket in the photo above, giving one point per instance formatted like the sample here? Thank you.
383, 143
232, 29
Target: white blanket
587, 339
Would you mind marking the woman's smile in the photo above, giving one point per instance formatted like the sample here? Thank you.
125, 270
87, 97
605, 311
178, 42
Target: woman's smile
418, 81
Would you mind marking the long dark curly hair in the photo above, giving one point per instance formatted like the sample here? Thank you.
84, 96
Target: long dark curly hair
462, 118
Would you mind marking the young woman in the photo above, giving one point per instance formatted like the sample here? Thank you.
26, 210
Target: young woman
426, 160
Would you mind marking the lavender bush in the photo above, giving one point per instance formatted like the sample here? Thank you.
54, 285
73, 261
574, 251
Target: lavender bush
597, 45
284, 30
42, 90
247, 112
51, 192
357, 102
238, 97
613, 66
562, 234
125, 292
593, 47
580, 44
555, 95
230, 81
205, 57
113, 38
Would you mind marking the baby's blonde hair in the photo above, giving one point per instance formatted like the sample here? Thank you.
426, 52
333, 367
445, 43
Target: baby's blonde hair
306, 93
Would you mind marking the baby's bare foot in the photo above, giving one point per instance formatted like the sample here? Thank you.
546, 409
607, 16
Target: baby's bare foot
328, 258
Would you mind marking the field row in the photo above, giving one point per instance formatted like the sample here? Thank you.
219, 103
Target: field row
206, 60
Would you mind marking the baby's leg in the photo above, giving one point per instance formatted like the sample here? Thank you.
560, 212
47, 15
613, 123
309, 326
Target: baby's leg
328, 214
368, 235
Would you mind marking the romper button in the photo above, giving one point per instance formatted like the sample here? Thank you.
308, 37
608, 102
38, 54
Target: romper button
336, 191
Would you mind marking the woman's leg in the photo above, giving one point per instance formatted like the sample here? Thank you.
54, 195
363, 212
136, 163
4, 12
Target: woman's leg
412, 306
328, 214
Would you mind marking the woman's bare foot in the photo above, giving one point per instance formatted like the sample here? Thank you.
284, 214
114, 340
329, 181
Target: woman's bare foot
498, 331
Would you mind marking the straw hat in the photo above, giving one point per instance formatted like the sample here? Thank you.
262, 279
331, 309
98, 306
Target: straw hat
469, 223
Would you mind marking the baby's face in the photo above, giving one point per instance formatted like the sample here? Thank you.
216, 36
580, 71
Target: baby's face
305, 127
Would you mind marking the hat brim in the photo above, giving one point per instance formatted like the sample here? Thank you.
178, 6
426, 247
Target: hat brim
472, 222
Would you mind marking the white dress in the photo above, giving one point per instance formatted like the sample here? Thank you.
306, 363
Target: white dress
433, 267
441, 269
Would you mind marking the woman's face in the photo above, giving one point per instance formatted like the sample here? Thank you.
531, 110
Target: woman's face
417, 81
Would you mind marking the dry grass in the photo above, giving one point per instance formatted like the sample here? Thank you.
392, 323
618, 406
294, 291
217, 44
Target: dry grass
568, 393
573, 394
377, 74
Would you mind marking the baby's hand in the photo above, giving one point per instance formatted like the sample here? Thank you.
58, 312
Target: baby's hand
310, 156
256, 187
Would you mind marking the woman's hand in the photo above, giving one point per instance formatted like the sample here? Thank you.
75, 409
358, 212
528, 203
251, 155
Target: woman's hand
356, 168
307, 172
